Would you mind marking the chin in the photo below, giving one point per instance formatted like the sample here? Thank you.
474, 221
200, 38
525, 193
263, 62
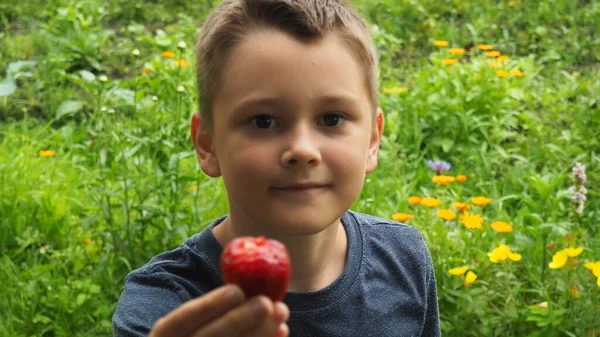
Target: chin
302, 224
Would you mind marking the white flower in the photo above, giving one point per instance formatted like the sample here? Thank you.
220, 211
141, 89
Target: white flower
111, 111
579, 173
136, 52
181, 45
44, 249
102, 78
180, 88
154, 98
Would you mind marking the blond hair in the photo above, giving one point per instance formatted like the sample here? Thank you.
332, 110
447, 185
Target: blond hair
306, 20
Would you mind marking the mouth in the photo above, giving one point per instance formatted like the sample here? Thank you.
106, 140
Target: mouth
300, 187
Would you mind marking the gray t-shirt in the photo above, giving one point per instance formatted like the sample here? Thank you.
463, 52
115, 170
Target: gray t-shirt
387, 289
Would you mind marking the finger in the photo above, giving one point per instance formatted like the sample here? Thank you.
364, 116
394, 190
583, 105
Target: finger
240, 321
282, 330
194, 314
282, 311
272, 325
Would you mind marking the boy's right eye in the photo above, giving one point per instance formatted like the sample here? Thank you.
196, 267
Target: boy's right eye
263, 121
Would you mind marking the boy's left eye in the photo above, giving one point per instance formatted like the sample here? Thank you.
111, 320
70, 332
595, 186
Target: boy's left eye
332, 119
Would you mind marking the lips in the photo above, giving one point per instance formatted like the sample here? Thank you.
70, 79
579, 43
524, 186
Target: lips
300, 186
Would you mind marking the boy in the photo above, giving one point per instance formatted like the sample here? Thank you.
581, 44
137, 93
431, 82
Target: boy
289, 119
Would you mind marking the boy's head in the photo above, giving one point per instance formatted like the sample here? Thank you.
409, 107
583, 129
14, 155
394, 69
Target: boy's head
305, 20
290, 121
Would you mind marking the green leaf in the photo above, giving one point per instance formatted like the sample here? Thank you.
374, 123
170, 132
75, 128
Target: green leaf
81, 298
87, 76
516, 93
7, 87
68, 108
15, 67
41, 319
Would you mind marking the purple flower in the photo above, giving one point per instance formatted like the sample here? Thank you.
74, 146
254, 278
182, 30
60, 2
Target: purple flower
439, 166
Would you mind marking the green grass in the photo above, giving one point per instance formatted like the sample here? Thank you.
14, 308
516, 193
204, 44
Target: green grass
124, 184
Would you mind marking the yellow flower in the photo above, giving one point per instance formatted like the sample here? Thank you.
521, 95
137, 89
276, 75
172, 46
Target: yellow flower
493, 53
448, 62
573, 252
502, 253
168, 54
446, 214
472, 221
515, 72
440, 43
501, 227
402, 217
88, 241
470, 278
457, 51
414, 200
480, 201
146, 70
461, 178
558, 260
398, 90
493, 63
443, 180
47, 153
485, 47
461, 206
514, 256
193, 188
181, 63
594, 267
458, 271
501, 73
431, 202
502, 58
499, 254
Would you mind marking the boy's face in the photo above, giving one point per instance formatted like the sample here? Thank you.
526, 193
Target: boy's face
293, 132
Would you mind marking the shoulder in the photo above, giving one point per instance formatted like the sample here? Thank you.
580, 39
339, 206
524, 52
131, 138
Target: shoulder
374, 225
190, 269
387, 242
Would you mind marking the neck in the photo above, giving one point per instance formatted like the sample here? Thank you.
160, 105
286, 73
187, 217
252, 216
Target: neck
317, 259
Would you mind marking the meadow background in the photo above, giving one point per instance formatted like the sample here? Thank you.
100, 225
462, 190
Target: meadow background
98, 174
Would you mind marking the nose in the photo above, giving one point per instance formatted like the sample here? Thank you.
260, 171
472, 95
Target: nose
301, 149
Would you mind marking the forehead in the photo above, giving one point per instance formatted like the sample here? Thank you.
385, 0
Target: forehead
272, 64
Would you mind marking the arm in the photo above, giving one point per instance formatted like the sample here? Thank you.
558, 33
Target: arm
431, 325
154, 308
144, 301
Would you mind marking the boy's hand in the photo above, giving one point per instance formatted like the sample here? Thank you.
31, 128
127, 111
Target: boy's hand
225, 312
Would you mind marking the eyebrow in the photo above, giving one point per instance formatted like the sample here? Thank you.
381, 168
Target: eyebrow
277, 101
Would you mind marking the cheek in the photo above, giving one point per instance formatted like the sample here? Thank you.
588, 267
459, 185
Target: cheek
245, 164
349, 161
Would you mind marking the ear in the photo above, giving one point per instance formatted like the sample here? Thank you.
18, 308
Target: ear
204, 146
376, 134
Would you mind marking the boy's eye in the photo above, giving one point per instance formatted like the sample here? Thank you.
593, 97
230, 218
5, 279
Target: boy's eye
332, 119
263, 122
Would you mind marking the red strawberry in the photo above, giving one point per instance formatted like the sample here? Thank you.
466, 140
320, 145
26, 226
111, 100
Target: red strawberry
258, 265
